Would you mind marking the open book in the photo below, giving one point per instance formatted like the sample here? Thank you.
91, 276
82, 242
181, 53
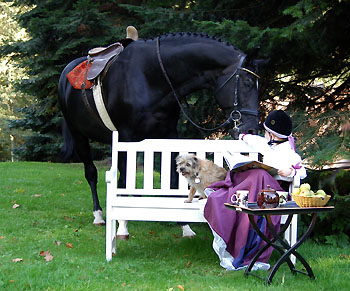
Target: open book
239, 163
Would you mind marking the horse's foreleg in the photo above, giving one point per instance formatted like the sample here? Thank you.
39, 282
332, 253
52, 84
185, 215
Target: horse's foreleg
174, 175
174, 184
186, 230
122, 232
122, 169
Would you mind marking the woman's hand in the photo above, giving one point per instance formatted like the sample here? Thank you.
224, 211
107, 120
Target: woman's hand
285, 172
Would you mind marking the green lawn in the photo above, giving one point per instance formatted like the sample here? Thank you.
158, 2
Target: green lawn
55, 215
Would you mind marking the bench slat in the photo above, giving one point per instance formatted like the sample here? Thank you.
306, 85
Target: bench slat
184, 145
155, 192
158, 202
148, 170
131, 170
151, 214
157, 209
165, 170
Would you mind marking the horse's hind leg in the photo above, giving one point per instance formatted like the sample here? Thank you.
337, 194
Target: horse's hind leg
83, 150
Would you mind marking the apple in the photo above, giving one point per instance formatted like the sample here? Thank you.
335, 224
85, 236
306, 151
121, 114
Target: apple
305, 186
306, 193
319, 196
321, 193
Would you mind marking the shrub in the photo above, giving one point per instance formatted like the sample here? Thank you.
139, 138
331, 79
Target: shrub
331, 227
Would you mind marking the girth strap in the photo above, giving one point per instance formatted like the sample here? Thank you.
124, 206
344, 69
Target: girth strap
101, 108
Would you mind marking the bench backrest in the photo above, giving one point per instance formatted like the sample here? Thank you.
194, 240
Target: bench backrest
161, 150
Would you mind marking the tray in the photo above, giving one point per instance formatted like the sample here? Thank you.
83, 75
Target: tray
289, 208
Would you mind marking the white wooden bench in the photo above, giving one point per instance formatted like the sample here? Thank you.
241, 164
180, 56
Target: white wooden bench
164, 204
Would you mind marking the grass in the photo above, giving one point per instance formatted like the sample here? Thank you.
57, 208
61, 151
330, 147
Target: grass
55, 215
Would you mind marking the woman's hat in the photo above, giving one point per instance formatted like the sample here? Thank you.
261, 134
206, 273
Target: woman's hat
279, 123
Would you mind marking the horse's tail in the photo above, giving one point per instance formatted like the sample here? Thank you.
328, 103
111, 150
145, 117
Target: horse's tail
67, 152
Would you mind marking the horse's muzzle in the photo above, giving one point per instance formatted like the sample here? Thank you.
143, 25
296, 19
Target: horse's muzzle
235, 132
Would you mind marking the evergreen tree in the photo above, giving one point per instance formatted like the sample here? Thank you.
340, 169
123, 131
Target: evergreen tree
9, 72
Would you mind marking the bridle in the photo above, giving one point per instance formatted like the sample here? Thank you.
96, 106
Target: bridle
236, 114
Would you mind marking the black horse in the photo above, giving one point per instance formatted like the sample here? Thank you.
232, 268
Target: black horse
142, 91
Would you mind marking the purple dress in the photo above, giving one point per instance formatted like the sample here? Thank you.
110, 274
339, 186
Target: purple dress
233, 228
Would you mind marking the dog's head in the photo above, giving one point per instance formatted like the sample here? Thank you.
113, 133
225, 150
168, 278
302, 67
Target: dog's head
187, 165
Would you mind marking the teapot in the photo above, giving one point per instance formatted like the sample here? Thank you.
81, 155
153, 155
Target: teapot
268, 198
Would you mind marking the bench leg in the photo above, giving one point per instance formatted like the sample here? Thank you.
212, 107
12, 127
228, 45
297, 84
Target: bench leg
114, 237
110, 239
187, 231
122, 232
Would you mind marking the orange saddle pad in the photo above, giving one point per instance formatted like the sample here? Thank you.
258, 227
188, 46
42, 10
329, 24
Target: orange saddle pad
77, 75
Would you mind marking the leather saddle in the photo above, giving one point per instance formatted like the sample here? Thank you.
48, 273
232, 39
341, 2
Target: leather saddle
99, 60
100, 57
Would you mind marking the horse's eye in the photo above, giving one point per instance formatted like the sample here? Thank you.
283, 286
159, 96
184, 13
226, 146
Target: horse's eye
248, 82
188, 165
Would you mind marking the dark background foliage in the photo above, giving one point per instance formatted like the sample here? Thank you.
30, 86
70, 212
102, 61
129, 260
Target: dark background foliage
305, 41
308, 73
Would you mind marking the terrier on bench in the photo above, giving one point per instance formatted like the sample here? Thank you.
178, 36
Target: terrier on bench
199, 174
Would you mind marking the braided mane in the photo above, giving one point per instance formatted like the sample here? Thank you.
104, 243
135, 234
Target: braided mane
192, 35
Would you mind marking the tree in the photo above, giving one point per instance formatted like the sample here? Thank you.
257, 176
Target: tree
305, 40
9, 72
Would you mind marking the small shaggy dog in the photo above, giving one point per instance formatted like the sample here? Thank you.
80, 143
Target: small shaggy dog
199, 173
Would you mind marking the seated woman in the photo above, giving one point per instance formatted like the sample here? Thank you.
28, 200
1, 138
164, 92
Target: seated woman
235, 242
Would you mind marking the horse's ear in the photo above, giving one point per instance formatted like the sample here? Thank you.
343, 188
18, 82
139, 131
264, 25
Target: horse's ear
253, 53
260, 62
252, 58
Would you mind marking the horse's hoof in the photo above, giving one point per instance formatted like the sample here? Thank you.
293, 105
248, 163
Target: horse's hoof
122, 236
100, 224
189, 236
187, 231
98, 215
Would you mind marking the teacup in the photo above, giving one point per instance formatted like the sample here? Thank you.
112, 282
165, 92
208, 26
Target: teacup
241, 197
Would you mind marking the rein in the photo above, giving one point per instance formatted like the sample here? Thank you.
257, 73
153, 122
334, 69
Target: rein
235, 114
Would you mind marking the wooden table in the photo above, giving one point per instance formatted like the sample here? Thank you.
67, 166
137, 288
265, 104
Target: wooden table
277, 242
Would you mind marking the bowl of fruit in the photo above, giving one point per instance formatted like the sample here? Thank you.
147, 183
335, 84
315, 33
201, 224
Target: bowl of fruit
305, 197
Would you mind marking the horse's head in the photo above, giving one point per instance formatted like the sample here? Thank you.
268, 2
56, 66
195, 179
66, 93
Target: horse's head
237, 94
